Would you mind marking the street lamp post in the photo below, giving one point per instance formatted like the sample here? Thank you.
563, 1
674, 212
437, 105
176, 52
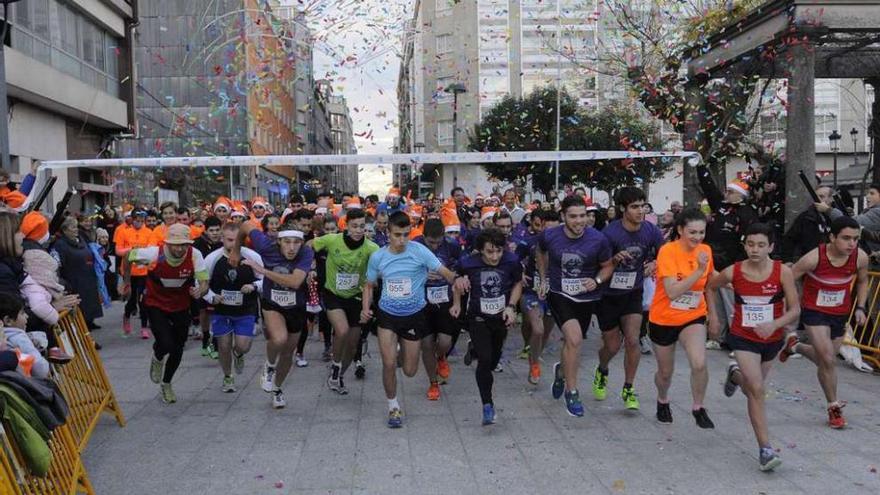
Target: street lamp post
5, 161
834, 139
854, 134
455, 89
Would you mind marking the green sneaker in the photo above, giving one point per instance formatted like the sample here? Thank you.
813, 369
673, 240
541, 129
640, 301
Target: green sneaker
524, 353
228, 384
600, 382
212, 353
156, 369
206, 351
630, 398
168, 396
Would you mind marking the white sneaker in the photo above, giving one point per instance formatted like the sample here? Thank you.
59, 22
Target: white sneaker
301, 361
278, 401
267, 379
499, 368
645, 345
713, 345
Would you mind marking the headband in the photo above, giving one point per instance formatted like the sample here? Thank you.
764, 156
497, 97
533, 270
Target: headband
296, 234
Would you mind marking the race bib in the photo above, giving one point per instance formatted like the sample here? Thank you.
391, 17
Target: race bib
492, 305
438, 295
623, 280
283, 298
573, 286
688, 300
830, 298
753, 314
347, 281
173, 283
231, 297
398, 288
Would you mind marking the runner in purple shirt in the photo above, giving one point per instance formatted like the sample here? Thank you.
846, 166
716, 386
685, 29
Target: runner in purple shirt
574, 261
635, 244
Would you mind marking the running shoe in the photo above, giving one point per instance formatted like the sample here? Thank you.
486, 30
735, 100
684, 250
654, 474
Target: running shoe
212, 352
168, 396
713, 345
573, 404
729, 386
768, 460
278, 401
126, 327
558, 381
301, 361
630, 398
524, 353
395, 418
360, 371
534, 373
499, 368
835, 417
645, 345
206, 352
469, 354
600, 383
791, 341
489, 416
702, 418
434, 392
238, 363
664, 413
443, 369
228, 384
336, 384
267, 379
156, 369
145, 333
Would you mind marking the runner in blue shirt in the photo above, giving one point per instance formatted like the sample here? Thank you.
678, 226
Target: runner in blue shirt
635, 244
403, 267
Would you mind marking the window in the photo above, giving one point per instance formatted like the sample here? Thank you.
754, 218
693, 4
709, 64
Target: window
444, 44
444, 133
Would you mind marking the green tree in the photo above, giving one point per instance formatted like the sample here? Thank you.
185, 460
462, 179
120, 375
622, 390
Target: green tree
529, 124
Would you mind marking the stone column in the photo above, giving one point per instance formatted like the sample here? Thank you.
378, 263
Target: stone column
693, 139
800, 132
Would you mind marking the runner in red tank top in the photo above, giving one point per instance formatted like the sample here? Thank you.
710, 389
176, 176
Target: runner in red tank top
765, 301
827, 300
176, 273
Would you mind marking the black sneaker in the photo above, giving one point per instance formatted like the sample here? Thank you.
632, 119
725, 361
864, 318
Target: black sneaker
664, 414
729, 386
360, 371
702, 418
469, 354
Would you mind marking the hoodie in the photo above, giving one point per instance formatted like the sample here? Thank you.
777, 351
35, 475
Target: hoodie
16, 338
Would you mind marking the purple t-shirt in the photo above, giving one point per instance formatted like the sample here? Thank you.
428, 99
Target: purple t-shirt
439, 291
273, 260
642, 245
572, 261
490, 285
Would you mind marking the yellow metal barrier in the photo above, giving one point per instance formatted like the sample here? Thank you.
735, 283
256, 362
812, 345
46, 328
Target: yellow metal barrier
867, 337
83, 380
66, 476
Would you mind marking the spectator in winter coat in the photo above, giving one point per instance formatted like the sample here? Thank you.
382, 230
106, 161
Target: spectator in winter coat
78, 269
14, 322
868, 219
809, 229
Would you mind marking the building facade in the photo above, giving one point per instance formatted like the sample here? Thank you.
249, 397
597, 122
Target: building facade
70, 88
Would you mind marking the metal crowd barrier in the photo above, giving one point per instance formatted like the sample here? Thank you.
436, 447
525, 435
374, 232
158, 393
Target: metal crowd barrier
83, 380
867, 337
66, 475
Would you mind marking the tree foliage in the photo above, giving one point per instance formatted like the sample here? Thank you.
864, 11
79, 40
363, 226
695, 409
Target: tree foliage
529, 124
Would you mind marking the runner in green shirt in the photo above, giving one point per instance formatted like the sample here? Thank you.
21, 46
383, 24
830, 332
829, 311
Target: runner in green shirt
347, 257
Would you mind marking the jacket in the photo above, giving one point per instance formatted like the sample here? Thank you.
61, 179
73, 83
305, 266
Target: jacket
808, 230
26, 429
39, 301
868, 219
42, 267
11, 275
43, 395
18, 339
726, 224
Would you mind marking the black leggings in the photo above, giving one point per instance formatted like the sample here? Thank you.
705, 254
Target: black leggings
323, 327
170, 331
487, 336
136, 299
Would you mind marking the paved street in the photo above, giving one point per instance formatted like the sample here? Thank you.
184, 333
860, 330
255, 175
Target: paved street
210, 442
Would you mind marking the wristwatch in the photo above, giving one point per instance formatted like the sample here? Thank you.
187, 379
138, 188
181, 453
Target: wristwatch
598, 280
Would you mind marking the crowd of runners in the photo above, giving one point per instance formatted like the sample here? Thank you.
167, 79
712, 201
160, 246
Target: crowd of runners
420, 274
